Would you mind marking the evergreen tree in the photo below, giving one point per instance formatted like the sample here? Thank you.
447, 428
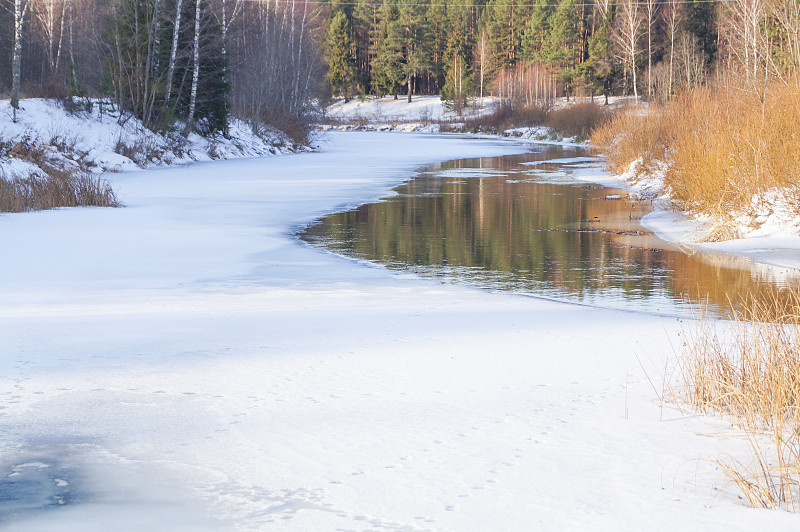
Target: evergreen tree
458, 57
365, 29
415, 42
341, 63
505, 22
438, 29
388, 64
598, 71
141, 32
537, 32
562, 47
700, 21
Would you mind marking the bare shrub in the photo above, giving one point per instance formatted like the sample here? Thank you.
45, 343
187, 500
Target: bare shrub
507, 117
298, 128
141, 149
27, 149
577, 120
630, 135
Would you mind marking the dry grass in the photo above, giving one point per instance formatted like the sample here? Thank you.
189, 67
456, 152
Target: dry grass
724, 145
56, 188
507, 117
578, 120
55, 184
631, 134
749, 371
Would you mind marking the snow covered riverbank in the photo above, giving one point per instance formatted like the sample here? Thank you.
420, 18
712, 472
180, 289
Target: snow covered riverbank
185, 363
775, 242
96, 139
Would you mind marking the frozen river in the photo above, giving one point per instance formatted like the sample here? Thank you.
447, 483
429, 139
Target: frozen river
186, 363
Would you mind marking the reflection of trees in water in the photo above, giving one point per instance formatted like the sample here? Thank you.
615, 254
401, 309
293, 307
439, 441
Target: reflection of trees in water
523, 235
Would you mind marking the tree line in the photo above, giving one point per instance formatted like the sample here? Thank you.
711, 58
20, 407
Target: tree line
163, 61
201, 61
531, 51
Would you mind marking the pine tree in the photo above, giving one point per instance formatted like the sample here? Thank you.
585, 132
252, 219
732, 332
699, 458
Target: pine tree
700, 21
598, 71
365, 29
537, 32
341, 63
415, 42
458, 58
388, 63
505, 22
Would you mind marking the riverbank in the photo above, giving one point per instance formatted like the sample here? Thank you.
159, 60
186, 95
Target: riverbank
776, 242
92, 137
187, 363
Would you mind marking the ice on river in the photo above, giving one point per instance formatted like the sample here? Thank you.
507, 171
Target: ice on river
185, 363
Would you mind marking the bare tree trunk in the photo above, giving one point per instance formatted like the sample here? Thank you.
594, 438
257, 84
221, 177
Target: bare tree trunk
195, 70
176, 28
20, 9
672, 24
71, 51
153, 29
484, 38
627, 37
650, 6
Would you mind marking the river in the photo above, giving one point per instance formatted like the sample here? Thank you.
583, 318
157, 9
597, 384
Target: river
525, 224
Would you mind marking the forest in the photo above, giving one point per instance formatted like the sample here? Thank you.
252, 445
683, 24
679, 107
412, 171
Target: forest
275, 61
532, 51
163, 61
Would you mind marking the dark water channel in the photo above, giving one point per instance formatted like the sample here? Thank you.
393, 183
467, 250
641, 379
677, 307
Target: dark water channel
521, 224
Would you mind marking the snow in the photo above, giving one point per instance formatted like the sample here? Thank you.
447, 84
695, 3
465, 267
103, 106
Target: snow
388, 109
186, 363
771, 236
97, 139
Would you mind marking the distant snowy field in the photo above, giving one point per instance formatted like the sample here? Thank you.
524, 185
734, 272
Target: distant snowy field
420, 109
185, 363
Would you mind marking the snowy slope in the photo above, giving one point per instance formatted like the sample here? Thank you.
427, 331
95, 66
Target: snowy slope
98, 140
185, 363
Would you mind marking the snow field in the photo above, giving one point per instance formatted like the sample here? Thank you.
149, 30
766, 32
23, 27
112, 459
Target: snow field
184, 363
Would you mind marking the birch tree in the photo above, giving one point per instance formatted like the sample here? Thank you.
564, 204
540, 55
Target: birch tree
195, 70
650, 7
20, 10
176, 29
629, 18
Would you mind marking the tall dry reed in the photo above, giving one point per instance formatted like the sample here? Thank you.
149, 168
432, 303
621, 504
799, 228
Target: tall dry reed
56, 188
749, 370
724, 145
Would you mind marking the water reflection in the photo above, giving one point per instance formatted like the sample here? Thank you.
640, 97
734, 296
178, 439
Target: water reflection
522, 223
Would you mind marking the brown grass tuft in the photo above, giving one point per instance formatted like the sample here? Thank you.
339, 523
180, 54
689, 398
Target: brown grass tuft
749, 371
56, 188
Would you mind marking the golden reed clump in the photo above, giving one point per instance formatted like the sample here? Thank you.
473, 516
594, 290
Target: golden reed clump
723, 145
748, 369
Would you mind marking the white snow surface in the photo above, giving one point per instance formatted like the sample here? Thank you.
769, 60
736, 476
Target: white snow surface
771, 236
185, 363
389, 109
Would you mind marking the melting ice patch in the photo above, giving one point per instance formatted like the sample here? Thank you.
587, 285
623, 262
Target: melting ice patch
564, 160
